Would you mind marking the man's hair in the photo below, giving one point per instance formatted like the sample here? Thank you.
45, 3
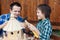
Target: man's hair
15, 4
46, 9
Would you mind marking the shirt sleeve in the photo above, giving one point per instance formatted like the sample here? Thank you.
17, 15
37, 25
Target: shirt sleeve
2, 19
47, 31
19, 18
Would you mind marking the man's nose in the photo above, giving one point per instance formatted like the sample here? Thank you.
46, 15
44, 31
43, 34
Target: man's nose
17, 12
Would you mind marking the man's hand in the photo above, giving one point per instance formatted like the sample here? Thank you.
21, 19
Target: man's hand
1, 26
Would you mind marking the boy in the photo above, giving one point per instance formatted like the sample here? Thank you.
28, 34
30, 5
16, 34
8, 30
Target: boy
43, 25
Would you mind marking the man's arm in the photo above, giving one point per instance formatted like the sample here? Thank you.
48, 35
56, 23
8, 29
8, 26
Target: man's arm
2, 21
2, 25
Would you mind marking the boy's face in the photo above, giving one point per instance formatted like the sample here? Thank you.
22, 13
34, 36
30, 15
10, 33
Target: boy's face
40, 15
15, 11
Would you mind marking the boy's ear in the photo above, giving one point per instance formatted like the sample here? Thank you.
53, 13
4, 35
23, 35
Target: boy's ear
43, 14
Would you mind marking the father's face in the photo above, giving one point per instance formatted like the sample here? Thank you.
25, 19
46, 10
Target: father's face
15, 11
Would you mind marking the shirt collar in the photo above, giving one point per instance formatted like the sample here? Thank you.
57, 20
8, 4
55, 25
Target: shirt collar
43, 20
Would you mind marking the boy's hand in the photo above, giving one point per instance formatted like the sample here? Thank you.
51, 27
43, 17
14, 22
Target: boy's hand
29, 25
33, 29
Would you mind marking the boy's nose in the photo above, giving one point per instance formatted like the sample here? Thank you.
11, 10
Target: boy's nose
37, 14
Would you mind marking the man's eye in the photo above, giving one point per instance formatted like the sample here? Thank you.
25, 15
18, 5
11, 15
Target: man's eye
18, 11
15, 11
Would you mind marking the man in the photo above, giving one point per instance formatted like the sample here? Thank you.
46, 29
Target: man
15, 9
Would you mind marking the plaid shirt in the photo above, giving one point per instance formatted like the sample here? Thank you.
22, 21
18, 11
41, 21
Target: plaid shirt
6, 17
45, 29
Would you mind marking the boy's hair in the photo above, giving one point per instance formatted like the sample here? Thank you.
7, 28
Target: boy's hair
15, 4
45, 9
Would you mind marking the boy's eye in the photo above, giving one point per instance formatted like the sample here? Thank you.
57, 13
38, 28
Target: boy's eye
38, 12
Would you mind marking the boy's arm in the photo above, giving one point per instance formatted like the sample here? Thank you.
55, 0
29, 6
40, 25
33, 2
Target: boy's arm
47, 31
33, 29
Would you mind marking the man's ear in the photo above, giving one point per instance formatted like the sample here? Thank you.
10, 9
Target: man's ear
10, 10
